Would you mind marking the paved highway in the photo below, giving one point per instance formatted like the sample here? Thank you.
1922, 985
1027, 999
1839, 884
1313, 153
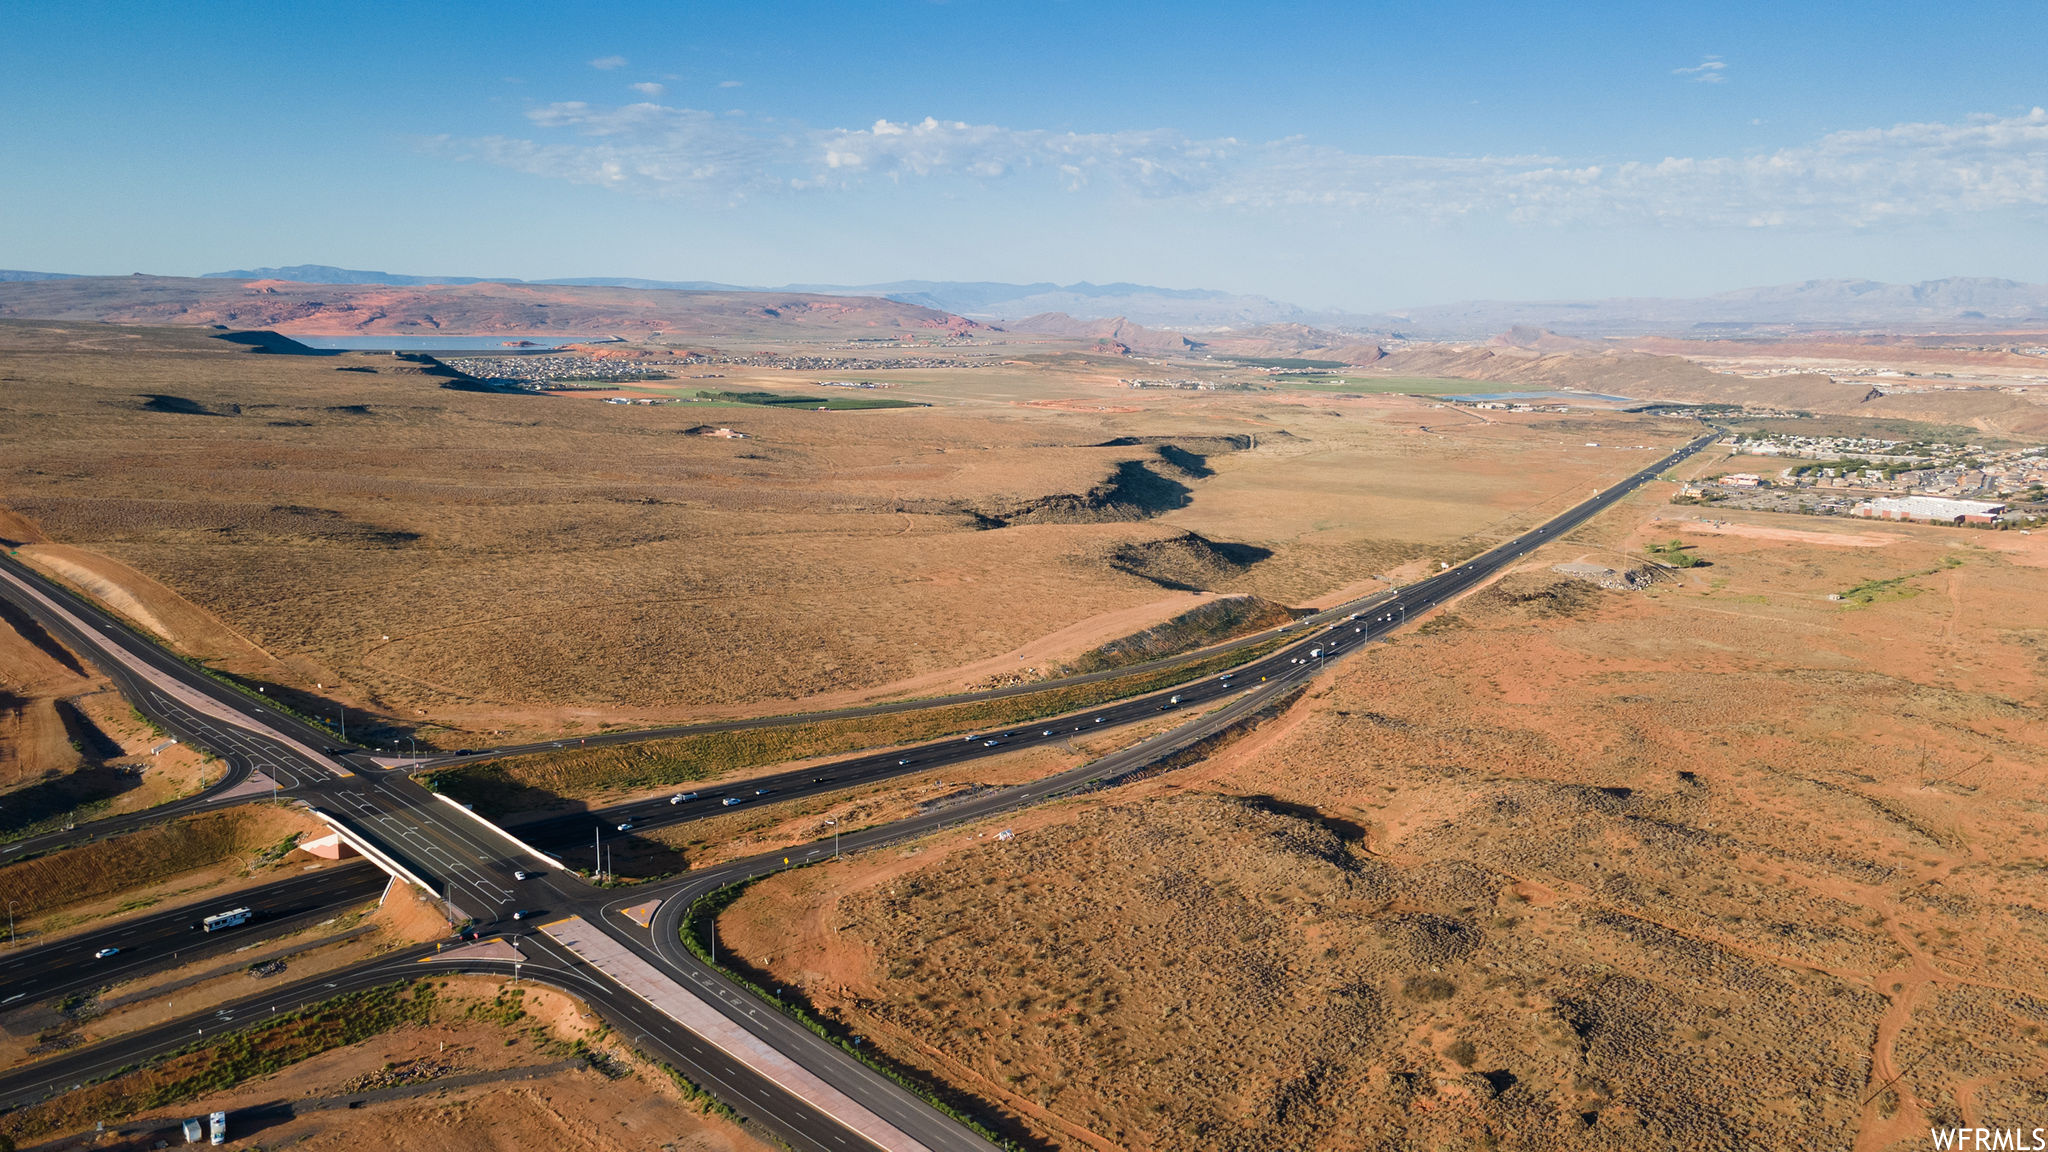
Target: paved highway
170, 937
473, 867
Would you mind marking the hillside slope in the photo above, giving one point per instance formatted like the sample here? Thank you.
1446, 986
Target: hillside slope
460, 309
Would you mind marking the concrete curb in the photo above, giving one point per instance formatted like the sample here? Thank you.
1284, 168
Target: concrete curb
374, 854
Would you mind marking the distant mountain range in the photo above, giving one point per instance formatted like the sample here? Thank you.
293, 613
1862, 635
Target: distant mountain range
1962, 303
485, 308
979, 299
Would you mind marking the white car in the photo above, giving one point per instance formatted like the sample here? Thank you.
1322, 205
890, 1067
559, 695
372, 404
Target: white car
626, 827
522, 874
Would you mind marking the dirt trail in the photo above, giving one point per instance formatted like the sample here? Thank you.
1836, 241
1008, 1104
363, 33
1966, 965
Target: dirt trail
1877, 1130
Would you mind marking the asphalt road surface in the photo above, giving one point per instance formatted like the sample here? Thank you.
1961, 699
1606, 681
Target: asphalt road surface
172, 937
790, 1121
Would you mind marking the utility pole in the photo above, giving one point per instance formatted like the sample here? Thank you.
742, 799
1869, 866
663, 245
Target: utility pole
597, 851
341, 720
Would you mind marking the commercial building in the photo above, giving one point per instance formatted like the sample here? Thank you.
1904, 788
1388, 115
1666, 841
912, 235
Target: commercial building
1930, 510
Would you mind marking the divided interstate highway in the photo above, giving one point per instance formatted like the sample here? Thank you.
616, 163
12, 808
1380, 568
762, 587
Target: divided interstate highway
472, 866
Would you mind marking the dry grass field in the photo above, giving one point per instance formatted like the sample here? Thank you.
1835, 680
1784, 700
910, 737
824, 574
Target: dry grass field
1725, 864
348, 528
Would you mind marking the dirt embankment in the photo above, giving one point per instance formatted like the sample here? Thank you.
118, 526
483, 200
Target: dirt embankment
1210, 622
38, 678
138, 863
1137, 490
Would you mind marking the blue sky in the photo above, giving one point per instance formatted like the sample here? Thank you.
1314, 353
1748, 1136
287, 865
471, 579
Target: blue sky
1358, 156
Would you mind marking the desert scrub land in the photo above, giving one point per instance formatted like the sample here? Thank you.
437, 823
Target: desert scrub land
1721, 863
349, 528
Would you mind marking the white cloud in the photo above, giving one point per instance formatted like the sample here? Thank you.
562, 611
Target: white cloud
607, 63
1858, 178
730, 83
648, 88
1711, 70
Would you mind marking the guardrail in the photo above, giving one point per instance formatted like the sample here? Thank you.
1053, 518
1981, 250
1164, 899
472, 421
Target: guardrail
374, 854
